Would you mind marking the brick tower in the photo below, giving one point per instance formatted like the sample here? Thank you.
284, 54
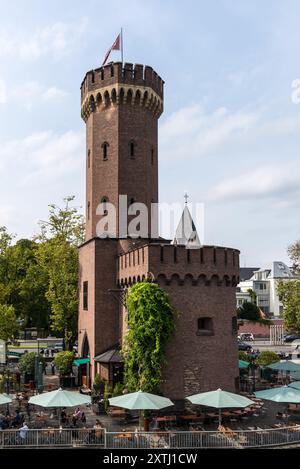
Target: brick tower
121, 106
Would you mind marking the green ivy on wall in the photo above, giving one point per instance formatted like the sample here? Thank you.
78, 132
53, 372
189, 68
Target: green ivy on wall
151, 322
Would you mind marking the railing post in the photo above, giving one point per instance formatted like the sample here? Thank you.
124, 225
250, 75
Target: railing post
105, 440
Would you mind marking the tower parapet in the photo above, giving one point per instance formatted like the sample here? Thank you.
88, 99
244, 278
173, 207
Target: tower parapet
116, 84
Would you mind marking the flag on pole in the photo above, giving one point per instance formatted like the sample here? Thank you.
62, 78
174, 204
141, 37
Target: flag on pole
116, 46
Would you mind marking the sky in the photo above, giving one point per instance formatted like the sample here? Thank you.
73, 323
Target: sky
230, 131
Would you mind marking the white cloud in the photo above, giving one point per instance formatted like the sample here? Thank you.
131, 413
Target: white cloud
43, 155
30, 93
56, 40
190, 132
39, 169
265, 182
3, 93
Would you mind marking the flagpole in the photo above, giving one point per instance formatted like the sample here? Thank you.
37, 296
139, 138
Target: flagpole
122, 45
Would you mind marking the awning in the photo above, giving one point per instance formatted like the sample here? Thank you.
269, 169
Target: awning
81, 361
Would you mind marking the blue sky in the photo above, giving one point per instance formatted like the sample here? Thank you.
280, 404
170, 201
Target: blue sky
230, 132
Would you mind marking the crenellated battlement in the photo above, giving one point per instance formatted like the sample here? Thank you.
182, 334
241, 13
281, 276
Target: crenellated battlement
168, 263
115, 84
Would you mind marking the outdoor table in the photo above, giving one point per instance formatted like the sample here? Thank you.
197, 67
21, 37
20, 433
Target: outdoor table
167, 418
192, 417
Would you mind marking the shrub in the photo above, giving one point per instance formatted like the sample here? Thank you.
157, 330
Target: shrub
64, 361
107, 394
267, 357
97, 385
118, 389
243, 356
27, 362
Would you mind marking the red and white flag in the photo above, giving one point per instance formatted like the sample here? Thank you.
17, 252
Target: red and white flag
116, 46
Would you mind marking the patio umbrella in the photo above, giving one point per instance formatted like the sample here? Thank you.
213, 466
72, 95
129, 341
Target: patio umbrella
4, 399
220, 400
295, 385
285, 366
140, 401
243, 364
59, 399
281, 394
295, 375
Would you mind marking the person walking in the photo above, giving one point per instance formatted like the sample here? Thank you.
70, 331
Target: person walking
23, 432
53, 368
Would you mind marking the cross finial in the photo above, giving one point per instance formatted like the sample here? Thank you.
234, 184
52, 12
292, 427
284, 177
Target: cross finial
186, 196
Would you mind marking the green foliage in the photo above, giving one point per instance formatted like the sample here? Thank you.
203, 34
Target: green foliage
118, 389
248, 311
253, 296
294, 254
60, 260
289, 293
267, 357
107, 394
97, 384
151, 322
243, 356
64, 361
39, 277
27, 363
64, 223
8, 322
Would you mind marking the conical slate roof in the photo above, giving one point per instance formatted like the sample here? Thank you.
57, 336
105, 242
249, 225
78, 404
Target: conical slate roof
186, 233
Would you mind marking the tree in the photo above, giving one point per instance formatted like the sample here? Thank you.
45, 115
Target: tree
60, 260
64, 362
27, 363
253, 296
64, 223
248, 311
58, 256
151, 322
267, 357
8, 322
289, 293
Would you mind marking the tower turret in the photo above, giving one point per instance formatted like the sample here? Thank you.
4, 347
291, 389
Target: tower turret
121, 106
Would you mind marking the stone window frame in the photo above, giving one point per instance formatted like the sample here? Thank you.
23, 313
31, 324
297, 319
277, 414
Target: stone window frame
205, 326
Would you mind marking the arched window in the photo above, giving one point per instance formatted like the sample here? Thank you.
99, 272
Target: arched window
152, 156
105, 146
104, 201
132, 149
89, 158
88, 210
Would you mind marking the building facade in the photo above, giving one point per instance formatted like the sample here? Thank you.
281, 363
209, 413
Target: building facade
264, 283
121, 104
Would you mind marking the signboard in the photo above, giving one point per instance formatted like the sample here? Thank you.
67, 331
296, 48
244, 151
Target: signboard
2, 352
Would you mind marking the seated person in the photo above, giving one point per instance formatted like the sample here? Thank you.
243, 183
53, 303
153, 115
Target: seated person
83, 418
63, 416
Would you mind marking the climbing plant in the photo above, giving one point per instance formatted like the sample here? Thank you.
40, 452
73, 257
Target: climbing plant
151, 322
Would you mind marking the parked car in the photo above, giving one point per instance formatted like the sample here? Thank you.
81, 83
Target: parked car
247, 336
290, 338
244, 347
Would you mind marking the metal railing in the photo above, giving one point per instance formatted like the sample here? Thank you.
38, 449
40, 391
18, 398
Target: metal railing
167, 439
